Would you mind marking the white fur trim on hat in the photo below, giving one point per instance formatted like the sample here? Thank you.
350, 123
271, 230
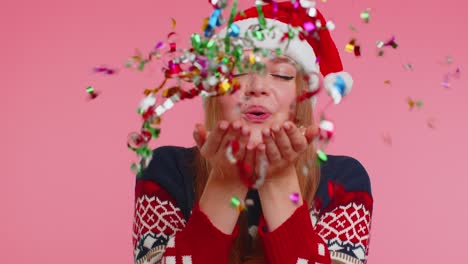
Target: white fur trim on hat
298, 50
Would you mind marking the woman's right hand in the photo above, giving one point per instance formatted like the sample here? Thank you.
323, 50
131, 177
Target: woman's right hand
213, 147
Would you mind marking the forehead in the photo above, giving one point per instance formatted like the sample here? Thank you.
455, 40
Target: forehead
276, 59
281, 59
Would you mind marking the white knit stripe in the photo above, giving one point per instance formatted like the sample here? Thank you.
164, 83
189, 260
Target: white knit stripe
344, 258
187, 260
170, 260
321, 249
302, 261
171, 242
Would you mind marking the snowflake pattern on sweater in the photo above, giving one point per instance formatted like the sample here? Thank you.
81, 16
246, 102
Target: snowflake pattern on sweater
168, 224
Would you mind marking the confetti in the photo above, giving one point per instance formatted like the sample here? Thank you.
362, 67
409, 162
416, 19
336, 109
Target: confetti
236, 203
408, 66
331, 189
322, 157
387, 82
447, 78
249, 202
326, 130
205, 69
365, 15
92, 94
105, 70
352, 47
414, 103
381, 45
294, 197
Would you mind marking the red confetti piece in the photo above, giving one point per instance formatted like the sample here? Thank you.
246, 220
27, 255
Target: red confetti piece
331, 189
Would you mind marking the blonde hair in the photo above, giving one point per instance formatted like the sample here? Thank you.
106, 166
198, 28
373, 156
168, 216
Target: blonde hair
246, 249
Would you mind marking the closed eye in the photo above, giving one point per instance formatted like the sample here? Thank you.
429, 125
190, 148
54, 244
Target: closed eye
238, 75
283, 77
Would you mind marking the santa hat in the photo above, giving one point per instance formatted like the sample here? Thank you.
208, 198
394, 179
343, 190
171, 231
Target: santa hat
315, 52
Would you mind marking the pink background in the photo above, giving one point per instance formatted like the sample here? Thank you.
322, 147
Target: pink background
66, 191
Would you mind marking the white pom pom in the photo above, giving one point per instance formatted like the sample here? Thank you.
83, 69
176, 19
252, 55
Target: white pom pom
338, 85
147, 102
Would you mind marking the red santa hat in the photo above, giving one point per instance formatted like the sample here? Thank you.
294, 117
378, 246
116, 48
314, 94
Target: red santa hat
313, 49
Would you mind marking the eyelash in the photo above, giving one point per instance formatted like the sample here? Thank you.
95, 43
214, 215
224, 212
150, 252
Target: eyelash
283, 77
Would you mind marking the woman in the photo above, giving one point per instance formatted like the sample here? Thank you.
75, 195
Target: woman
301, 213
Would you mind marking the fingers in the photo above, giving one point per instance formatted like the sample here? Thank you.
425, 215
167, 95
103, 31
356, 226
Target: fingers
250, 155
243, 140
283, 143
297, 140
261, 164
213, 141
272, 152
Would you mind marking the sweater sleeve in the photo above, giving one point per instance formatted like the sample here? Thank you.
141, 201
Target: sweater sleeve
344, 224
339, 232
161, 234
295, 241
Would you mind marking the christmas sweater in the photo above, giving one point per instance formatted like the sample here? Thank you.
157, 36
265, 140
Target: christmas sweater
170, 228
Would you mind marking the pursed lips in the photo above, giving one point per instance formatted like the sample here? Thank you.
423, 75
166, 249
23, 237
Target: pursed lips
256, 114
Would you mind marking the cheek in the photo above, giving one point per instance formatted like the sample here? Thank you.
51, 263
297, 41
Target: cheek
229, 105
286, 97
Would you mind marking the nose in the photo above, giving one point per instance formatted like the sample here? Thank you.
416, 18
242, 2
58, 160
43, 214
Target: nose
256, 86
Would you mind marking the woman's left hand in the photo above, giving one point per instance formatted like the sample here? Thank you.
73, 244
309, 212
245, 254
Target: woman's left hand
282, 146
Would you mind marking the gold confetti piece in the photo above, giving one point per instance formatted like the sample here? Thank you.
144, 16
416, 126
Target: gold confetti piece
174, 23
414, 103
387, 82
350, 47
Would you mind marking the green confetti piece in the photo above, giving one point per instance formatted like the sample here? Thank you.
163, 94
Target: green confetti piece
235, 202
196, 41
90, 90
322, 156
291, 34
258, 35
261, 17
141, 67
144, 152
154, 131
278, 51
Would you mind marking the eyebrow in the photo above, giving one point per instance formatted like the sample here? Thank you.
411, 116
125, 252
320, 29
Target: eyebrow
283, 59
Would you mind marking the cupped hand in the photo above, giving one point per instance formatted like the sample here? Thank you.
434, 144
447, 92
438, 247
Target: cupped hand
281, 147
227, 149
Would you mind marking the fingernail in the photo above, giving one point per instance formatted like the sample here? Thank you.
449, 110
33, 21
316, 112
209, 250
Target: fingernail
266, 132
236, 125
287, 126
250, 146
276, 128
245, 131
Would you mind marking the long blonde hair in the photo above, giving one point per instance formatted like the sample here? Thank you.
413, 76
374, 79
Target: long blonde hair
245, 249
